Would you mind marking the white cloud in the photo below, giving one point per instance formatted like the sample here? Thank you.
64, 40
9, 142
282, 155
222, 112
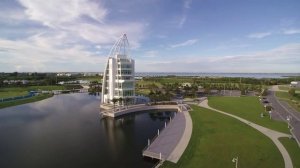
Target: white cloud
57, 12
30, 56
66, 36
186, 43
187, 4
284, 58
291, 31
68, 17
259, 35
182, 21
150, 54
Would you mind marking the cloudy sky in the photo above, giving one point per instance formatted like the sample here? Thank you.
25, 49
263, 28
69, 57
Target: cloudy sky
165, 35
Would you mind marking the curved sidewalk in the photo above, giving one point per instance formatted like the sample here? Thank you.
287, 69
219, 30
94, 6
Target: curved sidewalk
173, 140
184, 141
273, 135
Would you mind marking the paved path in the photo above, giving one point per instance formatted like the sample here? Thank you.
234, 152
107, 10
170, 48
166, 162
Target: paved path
173, 140
184, 141
273, 135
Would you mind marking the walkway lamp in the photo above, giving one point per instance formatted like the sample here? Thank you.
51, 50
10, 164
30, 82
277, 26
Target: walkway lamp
235, 160
270, 114
289, 118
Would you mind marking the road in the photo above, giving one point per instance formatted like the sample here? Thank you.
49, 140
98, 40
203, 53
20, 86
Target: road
281, 111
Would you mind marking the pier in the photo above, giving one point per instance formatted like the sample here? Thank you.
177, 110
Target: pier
170, 143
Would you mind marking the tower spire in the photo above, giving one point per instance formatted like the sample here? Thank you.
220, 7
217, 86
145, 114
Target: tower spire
121, 48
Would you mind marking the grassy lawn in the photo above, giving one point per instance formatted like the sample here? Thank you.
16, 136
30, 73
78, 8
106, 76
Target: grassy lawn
146, 84
24, 101
142, 91
21, 91
50, 87
91, 78
287, 87
217, 138
248, 108
293, 101
12, 94
293, 149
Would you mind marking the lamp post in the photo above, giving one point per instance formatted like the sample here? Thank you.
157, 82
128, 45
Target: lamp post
288, 118
270, 114
235, 160
265, 108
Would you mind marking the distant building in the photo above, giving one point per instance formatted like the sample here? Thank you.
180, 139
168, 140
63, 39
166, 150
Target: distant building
64, 74
186, 84
295, 84
118, 77
138, 78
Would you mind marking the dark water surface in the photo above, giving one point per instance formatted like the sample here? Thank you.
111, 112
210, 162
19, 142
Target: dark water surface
66, 131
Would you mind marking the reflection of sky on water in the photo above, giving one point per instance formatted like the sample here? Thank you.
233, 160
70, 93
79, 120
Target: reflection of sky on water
66, 131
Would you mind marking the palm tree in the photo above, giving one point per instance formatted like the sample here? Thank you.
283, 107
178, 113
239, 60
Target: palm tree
127, 99
120, 101
114, 100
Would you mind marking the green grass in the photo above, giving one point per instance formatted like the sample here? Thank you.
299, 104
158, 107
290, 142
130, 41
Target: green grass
50, 87
248, 108
146, 84
294, 150
24, 101
7, 92
12, 94
91, 78
142, 91
217, 138
293, 101
287, 87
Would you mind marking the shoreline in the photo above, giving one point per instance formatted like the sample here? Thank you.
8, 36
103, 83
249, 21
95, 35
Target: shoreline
25, 101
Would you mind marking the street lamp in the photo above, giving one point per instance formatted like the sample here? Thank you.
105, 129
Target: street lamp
265, 108
235, 160
289, 118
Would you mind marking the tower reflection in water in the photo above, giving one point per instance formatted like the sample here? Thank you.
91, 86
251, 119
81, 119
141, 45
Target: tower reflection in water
129, 134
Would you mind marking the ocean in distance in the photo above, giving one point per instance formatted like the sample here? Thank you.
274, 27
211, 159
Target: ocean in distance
199, 74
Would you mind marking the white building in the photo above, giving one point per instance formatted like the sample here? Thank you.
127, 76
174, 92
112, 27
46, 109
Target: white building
118, 77
295, 84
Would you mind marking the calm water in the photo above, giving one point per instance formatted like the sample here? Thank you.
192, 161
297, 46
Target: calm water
66, 131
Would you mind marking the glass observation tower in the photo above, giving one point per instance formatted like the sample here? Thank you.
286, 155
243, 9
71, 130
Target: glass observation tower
118, 77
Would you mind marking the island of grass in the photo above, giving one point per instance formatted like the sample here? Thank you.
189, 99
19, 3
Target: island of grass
8, 92
248, 108
217, 138
24, 101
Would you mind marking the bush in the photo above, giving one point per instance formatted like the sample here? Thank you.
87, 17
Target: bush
292, 91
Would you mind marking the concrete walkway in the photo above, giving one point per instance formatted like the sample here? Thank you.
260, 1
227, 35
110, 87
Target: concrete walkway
184, 141
173, 140
273, 135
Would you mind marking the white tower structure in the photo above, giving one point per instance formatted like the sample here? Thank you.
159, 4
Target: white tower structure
118, 77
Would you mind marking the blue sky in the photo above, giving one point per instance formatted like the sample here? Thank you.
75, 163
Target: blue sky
165, 35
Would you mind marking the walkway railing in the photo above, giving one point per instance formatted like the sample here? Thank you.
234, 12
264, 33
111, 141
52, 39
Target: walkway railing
159, 156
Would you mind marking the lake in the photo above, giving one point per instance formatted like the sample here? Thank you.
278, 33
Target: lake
67, 131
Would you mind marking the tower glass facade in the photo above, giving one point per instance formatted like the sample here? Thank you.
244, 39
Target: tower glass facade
118, 77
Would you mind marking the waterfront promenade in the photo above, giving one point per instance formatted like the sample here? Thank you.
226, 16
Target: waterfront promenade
124, 110
172, 141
